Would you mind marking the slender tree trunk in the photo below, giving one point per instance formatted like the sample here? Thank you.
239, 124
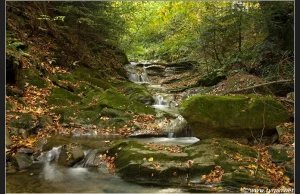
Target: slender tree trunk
215, 49
240, 33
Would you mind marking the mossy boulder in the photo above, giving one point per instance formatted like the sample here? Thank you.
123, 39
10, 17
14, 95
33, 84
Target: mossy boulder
136, 92
113, 99
280, 153
33, 77
22, 120
139, 162
232, 116
77, 114
62, 97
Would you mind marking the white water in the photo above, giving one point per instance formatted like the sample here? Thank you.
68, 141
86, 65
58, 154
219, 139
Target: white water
137, 74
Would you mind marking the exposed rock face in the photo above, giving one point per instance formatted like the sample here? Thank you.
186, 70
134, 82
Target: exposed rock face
232, 116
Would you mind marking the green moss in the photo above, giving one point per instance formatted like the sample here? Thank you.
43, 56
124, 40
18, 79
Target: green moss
109, 112
232, 116
91, 96
100, 83
245, 177
62, 97
9, 106
113, 99
32, 77
135, 92
25, 121
67, 114
279, 154
87, 116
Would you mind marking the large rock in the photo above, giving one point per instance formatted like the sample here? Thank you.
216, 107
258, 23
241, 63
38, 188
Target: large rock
232, 116
143, 163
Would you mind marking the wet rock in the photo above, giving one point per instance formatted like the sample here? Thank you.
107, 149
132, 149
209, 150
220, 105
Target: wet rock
22, 160
237, 116
70, 154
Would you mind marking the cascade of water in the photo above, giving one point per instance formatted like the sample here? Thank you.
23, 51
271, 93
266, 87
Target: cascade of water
137, 74
50, 156
89, 158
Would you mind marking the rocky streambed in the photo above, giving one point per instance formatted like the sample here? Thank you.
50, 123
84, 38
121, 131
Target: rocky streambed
140, 136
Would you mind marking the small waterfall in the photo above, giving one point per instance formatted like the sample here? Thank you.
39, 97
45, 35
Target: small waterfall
137, 74
166, 100
170, 134
50, 156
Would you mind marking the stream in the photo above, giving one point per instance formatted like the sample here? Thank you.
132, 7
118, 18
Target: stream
45, 176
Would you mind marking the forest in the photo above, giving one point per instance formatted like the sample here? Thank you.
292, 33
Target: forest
150, 97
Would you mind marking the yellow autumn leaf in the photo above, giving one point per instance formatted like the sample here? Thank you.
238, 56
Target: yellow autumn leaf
150, 159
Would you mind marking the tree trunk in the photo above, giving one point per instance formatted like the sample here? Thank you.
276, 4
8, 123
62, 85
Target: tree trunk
215, 49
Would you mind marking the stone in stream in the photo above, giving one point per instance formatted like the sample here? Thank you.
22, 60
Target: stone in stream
236, 116
69, 155
21, 160
181, 166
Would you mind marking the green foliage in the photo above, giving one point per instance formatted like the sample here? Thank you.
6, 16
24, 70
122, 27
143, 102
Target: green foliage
220, 34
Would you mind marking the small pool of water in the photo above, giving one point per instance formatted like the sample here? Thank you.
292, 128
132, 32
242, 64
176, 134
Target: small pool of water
50, 178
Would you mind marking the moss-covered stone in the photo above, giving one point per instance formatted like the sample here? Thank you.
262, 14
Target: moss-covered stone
136, 92
62, 97
21, 120
9, 106
171, 168
32, 77
109, 112
232, 116
13, 92
91, 77
45, 120
279, 153
90, 96
113, 99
